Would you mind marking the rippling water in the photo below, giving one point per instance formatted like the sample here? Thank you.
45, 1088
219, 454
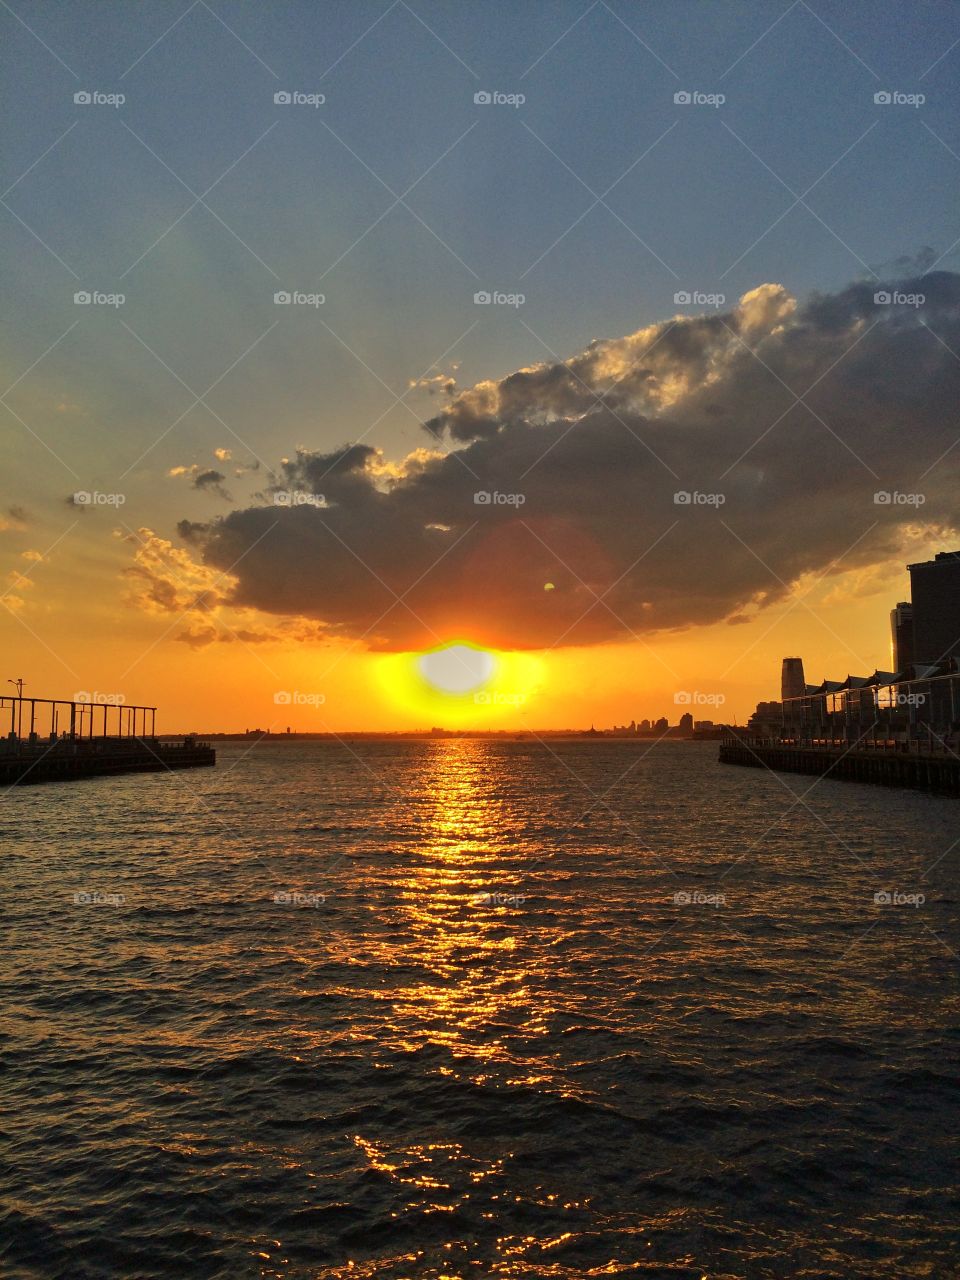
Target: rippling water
564, 1010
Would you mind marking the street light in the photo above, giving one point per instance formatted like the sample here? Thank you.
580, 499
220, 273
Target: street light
18, 684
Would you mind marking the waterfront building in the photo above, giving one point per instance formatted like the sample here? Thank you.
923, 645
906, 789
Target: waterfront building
901, 635
791, 679
935, 596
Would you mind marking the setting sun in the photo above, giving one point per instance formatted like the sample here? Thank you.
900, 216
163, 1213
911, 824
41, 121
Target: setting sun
459, 682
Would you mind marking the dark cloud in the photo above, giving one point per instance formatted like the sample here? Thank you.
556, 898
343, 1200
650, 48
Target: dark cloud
597, 447
213, 480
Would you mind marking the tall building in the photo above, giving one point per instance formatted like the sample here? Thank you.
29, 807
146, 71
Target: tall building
901, 635
935, 593
792, 684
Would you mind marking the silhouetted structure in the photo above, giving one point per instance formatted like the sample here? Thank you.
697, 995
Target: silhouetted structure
901, 635
935, 595
791, 678
53, 739
899, 729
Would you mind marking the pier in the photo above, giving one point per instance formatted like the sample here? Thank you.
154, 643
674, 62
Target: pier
888, 764
893, 729
59, 740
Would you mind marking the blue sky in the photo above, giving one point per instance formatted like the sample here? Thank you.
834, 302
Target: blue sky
513, 181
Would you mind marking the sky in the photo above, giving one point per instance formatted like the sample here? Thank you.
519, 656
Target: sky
355, 269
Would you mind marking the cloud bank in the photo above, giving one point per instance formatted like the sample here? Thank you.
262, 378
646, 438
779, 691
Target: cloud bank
780, 422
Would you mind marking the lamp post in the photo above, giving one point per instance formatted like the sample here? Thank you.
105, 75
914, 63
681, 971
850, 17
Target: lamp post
18, 684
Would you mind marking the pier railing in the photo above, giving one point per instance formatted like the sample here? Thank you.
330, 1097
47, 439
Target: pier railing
929, 743
93, 716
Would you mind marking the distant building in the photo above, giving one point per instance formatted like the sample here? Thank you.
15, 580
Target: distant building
661, 724
901, 635
767, 720
935, 595
686, 723
644, 724
792, 683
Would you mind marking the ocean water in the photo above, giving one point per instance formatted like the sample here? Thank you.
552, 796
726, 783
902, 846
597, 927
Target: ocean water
462, 1008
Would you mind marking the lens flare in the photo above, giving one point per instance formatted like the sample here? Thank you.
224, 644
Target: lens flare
458, 683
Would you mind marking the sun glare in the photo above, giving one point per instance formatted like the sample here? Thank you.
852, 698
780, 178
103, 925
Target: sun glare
459, 683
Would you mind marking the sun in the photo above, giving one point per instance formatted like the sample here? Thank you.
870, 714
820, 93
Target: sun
459, 668
460, 683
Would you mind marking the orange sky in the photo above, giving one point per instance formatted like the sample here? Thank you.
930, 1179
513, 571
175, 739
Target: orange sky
72, 628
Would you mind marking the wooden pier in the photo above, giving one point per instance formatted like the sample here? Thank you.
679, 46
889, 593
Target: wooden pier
923, 771
54, 740
66, 760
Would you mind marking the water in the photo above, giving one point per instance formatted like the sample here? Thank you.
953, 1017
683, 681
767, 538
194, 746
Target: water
390, 1076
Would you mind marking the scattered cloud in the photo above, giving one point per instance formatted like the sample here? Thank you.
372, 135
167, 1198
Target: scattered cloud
14, 518
166, 580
